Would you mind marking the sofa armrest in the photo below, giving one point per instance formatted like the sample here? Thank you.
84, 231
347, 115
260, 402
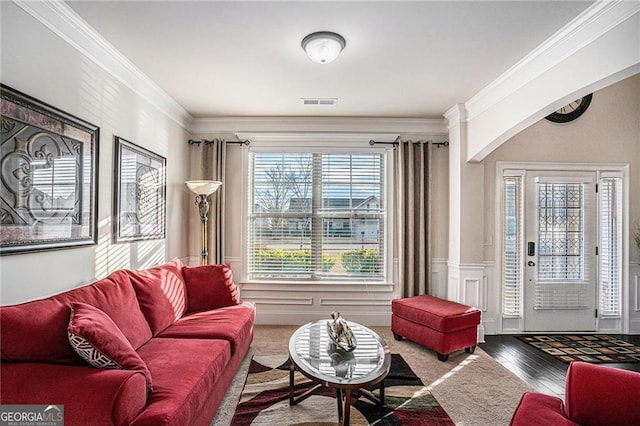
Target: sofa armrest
598, 395
537, 409
89, 395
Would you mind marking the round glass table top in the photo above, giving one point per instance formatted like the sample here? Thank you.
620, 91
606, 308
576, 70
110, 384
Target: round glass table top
318, 357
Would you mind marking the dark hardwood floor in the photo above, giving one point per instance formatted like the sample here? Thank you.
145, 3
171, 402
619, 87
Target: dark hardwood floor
541, 371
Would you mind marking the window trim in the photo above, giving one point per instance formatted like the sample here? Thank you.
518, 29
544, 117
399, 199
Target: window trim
322, 143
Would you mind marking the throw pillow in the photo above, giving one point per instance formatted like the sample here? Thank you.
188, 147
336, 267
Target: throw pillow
210, 287
98, 340
161, 294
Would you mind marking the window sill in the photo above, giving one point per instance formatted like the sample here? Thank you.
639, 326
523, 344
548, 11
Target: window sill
318, 282
357, 286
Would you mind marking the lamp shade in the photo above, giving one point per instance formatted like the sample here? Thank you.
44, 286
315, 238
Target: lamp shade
203, 187
323, 46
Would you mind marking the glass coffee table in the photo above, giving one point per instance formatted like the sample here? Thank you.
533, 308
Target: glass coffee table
313, 354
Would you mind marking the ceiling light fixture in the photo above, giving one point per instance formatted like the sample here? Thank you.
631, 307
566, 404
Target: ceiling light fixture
323, 46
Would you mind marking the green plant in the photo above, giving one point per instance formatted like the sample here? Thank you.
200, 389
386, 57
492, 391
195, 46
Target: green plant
282, 259
328, 262
289, 260
362, 261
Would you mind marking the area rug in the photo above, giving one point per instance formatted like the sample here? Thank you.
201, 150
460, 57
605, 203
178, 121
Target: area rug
265, 399
595, 349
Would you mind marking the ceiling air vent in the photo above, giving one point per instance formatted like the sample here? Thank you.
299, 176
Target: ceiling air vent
319, 101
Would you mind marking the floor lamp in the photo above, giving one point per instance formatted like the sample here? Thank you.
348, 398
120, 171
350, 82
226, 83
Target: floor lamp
202, 189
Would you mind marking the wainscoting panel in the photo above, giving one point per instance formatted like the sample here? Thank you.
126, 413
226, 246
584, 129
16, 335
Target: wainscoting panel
282, 301
467, 284
491, 299
473, 294
298, 303
300, 317
355, 302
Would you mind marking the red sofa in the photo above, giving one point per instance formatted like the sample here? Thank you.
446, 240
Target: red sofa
167, 340
595, 395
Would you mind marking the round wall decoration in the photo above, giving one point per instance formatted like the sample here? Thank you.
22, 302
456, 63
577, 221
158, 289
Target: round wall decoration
571, 111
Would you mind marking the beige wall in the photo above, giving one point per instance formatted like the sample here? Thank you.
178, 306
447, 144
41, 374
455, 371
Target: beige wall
440, 203
608, 132
39, 63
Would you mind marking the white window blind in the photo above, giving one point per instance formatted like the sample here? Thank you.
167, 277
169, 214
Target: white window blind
512, 229
610, 253
315, 216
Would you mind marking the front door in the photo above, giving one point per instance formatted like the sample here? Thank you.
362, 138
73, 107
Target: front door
560, 251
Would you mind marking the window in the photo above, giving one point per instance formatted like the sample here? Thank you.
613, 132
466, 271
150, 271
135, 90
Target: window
315, 216
610, 259
511, 242
561, 232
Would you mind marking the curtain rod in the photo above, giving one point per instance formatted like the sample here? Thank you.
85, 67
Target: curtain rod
397, 141
206, 142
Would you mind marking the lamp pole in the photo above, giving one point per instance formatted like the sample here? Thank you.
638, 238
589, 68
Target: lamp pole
202, 189
202, 201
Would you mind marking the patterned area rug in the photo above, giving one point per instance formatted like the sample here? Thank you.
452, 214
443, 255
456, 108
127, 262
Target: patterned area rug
590, 348
265, 399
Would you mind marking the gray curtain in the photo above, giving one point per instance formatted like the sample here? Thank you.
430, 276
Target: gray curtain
213, 168
413, 199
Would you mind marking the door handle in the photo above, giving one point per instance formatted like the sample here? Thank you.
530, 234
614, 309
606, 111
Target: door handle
531, 263
531, 248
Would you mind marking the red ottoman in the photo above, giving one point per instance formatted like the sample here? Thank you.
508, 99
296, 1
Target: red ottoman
437, 324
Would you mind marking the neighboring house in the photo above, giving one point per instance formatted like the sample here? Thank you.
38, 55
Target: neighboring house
347, 226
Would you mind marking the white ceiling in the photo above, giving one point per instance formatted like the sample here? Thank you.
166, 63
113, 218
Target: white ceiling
402, 59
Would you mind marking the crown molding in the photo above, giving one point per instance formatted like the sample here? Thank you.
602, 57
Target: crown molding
455, 115
398, 126
68, 25
591, 24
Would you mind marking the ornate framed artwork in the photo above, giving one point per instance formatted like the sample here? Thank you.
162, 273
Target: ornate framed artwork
139, 195
49, 169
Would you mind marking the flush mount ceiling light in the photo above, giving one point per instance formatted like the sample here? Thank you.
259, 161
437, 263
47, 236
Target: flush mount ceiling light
324, 46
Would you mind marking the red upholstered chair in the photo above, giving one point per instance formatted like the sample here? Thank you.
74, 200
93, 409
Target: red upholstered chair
595, 395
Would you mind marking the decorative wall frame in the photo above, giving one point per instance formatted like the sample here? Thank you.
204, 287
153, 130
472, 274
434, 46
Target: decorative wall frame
49, 169
139, 193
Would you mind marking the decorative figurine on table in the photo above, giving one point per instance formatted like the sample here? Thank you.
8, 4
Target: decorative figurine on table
340, 333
